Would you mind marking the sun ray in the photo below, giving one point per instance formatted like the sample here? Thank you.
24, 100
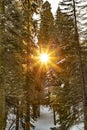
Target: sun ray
45, 60
44, 57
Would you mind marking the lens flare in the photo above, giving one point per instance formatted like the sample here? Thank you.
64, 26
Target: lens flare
44, 58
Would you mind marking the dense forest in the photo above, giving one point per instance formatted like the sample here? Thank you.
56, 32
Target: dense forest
28, 29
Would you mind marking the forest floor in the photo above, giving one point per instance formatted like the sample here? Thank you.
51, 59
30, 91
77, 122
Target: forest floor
44, 122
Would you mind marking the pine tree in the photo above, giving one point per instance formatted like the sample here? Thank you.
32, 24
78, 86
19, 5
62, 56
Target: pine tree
30, 7
45, 37
65, 39
69, 7
12, 49
83, 85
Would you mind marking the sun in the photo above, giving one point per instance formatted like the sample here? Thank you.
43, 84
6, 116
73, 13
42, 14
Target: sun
44, 57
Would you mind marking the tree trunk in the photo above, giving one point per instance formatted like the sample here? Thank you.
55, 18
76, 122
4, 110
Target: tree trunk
28, 82
17, 116
27, 119
2, 92
54, 117
38, 111
2, 110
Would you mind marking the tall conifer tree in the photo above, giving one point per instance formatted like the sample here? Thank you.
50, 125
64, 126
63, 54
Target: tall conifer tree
71, 7
64, 25
45, 37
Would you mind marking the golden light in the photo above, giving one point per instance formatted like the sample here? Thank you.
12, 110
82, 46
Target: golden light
44, 57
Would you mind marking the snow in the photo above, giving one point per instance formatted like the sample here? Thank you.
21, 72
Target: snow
77, 127
45, 121
10, 119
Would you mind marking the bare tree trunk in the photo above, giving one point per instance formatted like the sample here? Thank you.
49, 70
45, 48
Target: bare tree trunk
2, 92
27, 119
38, 111
54, 117
83, 86
2, 110
28, 83
17, 116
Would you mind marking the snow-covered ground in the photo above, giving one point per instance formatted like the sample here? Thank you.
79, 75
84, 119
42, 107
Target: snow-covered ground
45, 121
11, 121
77, 127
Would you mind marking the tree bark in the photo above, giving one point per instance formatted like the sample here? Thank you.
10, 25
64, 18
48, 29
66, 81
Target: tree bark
28, 82
17, 116
2, 109
54, 117
27, 119
2, 92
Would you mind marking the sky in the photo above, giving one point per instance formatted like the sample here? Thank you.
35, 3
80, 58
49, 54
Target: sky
54, 5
